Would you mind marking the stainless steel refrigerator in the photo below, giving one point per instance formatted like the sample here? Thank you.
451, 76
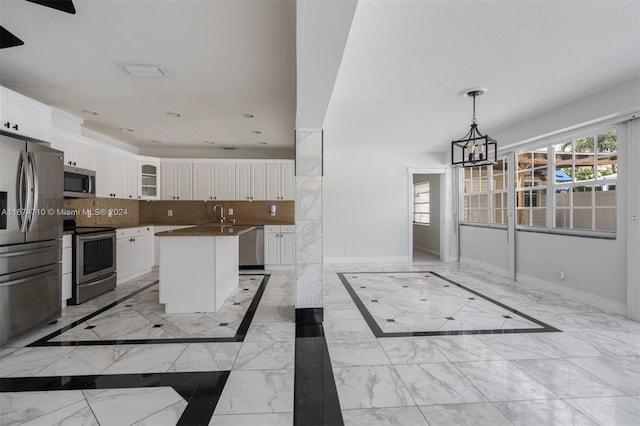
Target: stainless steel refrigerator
31, 195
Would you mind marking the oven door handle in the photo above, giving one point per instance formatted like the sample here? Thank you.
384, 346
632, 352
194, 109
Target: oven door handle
93, 237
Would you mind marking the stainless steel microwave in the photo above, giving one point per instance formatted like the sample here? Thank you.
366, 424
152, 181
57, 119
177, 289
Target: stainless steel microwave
79, 183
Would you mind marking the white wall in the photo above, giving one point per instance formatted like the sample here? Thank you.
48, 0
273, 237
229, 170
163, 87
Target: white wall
427, 238
484, 247
366, 207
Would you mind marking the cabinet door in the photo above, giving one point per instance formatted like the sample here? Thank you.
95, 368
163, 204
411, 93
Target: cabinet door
287, 182
103, 183
118, 175
132, 178
225, 181
258, 181
273, 181
168, 177
287, 249
25, 116
149, 180
203, 179
271, 249
183, 181
124, 263
243, 181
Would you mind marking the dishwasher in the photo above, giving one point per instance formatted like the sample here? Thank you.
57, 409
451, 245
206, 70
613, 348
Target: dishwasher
252, 249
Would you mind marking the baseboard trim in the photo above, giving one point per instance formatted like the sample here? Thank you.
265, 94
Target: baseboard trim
573, 294
485, 266
390, 259
426, 250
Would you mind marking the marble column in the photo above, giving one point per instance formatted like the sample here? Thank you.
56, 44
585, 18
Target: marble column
309, 225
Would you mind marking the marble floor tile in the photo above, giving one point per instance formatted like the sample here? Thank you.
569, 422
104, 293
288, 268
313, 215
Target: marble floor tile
612, 343
461, 348
566, 379
548, 412
270, 331
29, 361
384, 416
438, 384
347, 329
106, 404
78, 413
20, 407
619, 411
518, 346
503, 381
342, 311
272, 355
621, 372
147, 359
85, 360
168, 416
252, 392
478, 414
263, 419
207, 357
370, 387
356, 352
411, 350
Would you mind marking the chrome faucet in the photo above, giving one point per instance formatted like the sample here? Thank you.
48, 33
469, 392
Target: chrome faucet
221, 212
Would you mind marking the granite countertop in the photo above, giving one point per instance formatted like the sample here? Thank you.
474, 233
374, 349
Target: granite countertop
207, 231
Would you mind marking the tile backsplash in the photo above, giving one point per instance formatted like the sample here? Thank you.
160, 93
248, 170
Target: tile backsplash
116, 212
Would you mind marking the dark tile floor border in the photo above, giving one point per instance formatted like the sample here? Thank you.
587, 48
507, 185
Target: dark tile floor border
377, 331
314, 391
200, 389
238, 337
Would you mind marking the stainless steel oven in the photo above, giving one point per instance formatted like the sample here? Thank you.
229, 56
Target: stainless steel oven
94, 263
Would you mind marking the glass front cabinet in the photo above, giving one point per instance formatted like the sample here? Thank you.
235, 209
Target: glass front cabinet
149, 180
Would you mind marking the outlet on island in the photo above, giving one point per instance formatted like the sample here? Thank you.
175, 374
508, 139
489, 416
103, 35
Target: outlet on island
230, 212
169, 213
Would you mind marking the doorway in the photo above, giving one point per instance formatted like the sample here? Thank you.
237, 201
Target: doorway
430, 224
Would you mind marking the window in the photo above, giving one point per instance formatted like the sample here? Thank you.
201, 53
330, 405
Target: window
485, 194
582, 193
421, 203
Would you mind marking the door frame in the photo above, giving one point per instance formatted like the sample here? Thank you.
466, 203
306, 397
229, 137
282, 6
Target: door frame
448, 222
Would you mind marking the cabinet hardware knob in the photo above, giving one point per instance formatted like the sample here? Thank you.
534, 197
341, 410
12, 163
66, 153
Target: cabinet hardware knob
130, 196
15, 127
7, 125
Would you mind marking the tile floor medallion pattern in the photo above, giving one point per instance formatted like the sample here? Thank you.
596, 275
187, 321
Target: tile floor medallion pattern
425, 303
588, 374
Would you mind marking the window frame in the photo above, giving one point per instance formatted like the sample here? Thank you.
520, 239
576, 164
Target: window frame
428, 202
487, 189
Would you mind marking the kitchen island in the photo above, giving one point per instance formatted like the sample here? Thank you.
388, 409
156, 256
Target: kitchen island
198, 267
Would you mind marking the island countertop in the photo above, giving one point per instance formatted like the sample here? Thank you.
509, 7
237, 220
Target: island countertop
207, 231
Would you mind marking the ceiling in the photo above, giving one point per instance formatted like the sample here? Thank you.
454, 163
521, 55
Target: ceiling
399, 77
406, 64
222, 59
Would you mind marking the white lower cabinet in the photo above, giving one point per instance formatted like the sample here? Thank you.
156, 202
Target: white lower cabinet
134, 252
279, 245
67, 265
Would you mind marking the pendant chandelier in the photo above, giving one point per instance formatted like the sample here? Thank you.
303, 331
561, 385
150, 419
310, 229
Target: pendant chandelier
474, 149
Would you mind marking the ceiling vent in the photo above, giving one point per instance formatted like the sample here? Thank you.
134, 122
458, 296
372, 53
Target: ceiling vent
141, 70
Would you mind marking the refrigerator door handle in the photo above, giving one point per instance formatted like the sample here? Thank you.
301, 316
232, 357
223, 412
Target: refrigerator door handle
33, 190
23, 202
29, 278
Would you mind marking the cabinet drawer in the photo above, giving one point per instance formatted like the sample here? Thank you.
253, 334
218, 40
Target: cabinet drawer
132, 232
66, 241
288, 228
66, 260
272, 228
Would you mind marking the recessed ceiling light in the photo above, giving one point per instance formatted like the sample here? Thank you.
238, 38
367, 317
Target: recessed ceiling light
155, 141
245, 115
262, 143
88, 111
174, 114
143, 70
229, 148
209, 142
125, 129
257, 132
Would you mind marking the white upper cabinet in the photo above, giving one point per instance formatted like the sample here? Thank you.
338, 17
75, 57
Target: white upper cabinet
176, 180
250, 181
77, 153
149, 179
214, 181
24, 116
280, 181
132, 179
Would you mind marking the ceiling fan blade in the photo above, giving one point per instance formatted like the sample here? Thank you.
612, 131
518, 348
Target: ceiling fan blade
62, 5
7, 39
